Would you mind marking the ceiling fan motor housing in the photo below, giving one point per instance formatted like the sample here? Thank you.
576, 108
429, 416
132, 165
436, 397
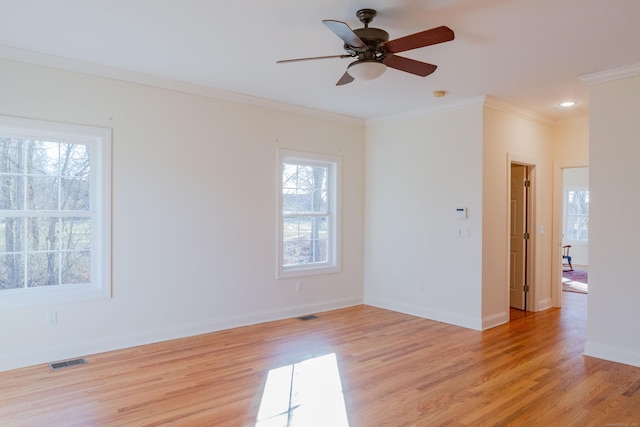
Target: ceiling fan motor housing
372, 37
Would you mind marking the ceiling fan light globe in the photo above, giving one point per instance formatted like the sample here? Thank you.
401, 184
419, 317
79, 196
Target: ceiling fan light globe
366, 69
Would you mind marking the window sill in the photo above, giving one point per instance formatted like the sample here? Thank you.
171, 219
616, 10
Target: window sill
576, 243
46, 296
307, 271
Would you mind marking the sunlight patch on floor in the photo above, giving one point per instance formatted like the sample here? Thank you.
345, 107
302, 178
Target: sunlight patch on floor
308, 393
575, 284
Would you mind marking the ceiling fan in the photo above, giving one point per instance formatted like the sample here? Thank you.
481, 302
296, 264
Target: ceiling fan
375, 52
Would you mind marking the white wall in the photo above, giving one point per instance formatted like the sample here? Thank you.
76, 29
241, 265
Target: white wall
614, 291
419, 169
571, 143
512, 135
194, 214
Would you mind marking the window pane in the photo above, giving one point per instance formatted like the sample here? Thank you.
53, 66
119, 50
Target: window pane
578, 202
11, 158
583, 233
43, 158
43, 234
75, 194
11, 192
11, 163
577, 227
304, 188
75, 160
11, 234
305, 240
76, 234
42, 193
76, 267
42, 269
11, 271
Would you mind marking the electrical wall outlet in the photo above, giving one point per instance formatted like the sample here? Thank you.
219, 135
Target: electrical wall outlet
463, 232
298, 285
52, 317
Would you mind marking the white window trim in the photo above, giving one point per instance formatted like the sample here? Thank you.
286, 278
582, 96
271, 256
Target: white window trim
333, 265
99, 139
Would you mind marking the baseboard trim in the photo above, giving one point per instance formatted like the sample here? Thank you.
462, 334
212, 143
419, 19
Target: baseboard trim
612, 353
544, 304
495, 320
427, 313
151, 336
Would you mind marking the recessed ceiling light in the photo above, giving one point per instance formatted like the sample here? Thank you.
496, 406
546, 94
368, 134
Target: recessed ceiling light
567, 104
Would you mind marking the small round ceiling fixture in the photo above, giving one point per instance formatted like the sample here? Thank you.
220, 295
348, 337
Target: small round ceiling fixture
567, 104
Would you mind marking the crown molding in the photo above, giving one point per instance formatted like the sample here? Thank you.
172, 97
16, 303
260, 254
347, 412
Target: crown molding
572, 120
514, 110
612, 74
486, 101
450, 106
36, 58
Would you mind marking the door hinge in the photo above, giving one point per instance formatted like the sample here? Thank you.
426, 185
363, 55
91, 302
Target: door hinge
526, 236
527, 183
526, 288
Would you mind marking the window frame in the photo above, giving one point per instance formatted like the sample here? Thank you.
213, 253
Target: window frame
99, 142
334, 166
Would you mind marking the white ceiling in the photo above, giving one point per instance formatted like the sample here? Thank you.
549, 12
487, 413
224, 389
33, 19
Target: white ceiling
527, 52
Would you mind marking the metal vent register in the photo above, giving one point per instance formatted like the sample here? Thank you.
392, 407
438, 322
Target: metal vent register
67, 364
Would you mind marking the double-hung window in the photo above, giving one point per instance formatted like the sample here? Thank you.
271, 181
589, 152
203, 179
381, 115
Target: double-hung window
54, 212
576, 221
308, 223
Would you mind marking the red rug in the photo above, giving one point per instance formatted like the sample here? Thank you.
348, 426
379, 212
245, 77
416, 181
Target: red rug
575, 281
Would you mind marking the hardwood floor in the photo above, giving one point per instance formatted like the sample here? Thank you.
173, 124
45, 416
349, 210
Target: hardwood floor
395, 370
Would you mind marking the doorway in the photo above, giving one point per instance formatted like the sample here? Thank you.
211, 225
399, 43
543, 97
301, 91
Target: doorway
519, 236
575, 229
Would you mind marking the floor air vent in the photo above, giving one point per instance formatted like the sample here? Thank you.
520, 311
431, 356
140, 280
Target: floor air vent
308, 317
67, 364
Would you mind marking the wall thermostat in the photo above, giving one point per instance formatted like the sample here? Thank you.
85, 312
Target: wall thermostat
461, 213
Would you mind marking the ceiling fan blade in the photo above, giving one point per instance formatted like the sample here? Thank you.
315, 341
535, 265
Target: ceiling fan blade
343, 31
422, 39
412, 66
284, 61
345, 79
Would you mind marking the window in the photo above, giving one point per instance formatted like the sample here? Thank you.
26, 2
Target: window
307, 210
576, 220
54, 212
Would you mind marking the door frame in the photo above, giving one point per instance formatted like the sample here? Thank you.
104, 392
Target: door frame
557, 211
530, 263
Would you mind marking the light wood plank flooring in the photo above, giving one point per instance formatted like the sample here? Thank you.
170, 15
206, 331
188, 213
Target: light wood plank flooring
395, 370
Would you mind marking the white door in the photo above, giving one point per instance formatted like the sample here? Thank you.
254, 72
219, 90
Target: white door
518, 227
